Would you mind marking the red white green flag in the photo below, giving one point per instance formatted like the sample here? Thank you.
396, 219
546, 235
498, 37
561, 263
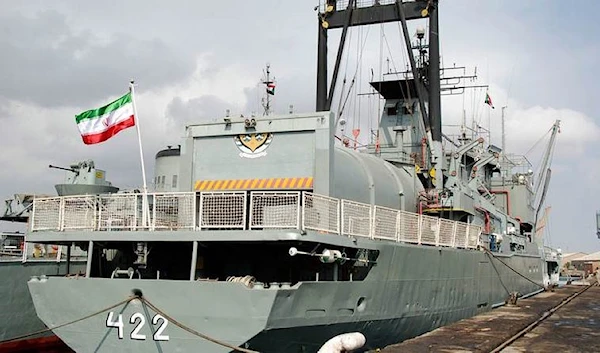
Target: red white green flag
488, 100
98, 125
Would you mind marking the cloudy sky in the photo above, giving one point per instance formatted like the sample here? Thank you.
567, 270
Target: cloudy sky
193, 60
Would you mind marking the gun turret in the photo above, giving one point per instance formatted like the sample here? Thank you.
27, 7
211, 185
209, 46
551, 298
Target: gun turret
62, 168
86, 179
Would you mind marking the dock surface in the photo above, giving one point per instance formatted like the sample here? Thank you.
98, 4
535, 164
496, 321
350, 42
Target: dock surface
570, 325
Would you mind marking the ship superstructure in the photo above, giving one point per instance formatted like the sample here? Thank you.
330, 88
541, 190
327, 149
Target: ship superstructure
266, 234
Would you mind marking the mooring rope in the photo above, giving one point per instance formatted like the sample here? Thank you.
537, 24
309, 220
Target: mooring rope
125, 301
194, 332
70, 322
498, 272
512, 269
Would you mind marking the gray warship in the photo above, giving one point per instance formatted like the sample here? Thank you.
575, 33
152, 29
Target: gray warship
266, 234
20, 259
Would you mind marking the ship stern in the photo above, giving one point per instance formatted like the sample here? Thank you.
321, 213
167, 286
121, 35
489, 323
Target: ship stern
122, 315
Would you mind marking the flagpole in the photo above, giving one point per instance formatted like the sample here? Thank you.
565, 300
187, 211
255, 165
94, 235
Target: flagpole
145, 212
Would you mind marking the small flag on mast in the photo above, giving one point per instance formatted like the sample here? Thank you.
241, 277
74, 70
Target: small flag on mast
488, 100
271, 88
98, 125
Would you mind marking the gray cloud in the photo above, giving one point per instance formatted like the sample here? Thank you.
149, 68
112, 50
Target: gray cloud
290, 90
4, 108
205, 107
47, 63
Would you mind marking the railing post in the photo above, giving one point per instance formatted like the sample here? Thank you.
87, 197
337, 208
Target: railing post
437, 232
398, 225
454, 234
32, 218
338, 216
299, 212
419, 229
99, 208
251, 210
94, 212
153, 223
303, 211
200, 196
371, 221
194, 210
135, 213
342, 218
467, 235
245, 212
61, 213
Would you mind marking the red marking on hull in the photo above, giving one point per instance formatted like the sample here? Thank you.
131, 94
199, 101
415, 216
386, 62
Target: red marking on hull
50, 344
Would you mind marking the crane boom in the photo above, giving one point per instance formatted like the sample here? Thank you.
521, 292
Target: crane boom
544, 174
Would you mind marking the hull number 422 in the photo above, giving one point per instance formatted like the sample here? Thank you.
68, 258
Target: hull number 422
139, 321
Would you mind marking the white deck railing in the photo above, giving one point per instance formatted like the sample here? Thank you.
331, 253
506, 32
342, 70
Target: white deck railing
233, 210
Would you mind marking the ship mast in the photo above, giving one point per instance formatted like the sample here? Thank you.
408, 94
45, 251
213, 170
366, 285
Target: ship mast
427, 82
269, 90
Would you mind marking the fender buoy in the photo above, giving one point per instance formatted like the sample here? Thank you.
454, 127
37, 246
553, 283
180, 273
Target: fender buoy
344, 342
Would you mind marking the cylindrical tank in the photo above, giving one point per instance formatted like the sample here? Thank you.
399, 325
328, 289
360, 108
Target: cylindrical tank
369, 179
166, 169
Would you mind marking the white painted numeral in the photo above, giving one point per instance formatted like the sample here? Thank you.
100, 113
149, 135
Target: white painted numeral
135, 334
139, 320
158, 335
118, 324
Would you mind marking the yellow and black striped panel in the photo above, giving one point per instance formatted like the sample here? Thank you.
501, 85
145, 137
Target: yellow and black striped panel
253, 184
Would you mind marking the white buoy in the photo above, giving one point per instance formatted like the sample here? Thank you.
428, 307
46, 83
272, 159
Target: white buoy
344, 342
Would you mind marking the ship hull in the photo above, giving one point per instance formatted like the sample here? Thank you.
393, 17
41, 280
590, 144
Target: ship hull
17, 312
411, 290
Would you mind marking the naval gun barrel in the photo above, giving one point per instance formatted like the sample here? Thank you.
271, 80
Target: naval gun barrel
62, 168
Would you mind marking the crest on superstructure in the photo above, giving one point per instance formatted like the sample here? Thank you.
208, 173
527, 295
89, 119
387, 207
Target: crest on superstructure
253, 145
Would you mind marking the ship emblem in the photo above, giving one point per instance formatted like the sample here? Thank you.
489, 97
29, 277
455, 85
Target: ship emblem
253, 145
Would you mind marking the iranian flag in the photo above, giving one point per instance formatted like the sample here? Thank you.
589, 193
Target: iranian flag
488, 100
98, 125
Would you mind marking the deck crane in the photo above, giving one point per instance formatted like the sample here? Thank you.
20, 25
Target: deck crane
543, 178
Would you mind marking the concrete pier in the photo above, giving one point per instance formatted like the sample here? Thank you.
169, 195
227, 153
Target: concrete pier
574, 327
